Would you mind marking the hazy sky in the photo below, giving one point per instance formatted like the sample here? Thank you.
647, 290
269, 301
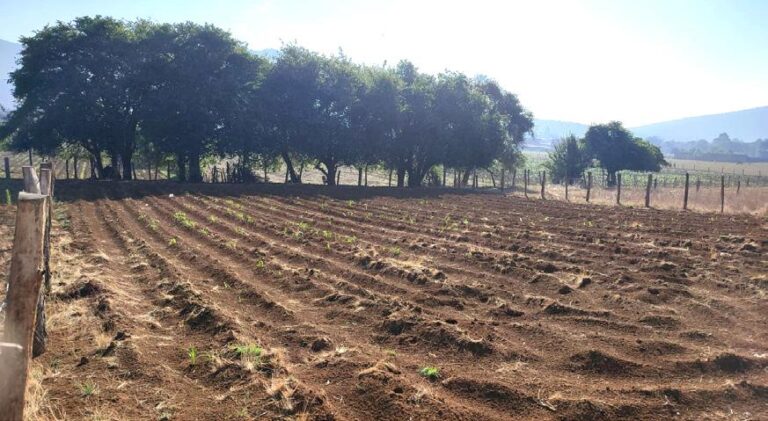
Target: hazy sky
638, 61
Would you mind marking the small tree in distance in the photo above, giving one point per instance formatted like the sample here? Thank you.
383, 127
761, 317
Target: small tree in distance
568, 160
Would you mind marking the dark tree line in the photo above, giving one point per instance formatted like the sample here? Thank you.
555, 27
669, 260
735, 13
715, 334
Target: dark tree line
191, 93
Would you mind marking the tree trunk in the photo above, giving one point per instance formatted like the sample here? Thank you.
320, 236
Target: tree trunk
97, 166
330, 173
181, 167
195, 176
401, 177
114, 162
127, 166
294, 178
465, 178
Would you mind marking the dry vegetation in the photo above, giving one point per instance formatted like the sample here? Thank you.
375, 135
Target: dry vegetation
274, 302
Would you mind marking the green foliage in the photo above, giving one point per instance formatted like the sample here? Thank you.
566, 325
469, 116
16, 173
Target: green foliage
188, 94
172, 242
430, 372
567, 161
184, 220
8, 201
248, 351
88, 388
192, 354
617, 149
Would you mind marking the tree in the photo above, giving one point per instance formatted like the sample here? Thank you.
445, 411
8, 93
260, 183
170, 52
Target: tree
567, 160
516, 121
617, 149
77, 83
288, 94
191, 90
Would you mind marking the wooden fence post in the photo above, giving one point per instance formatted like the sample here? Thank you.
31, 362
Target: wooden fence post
685, 194
24, 284
338, 177
74, 167
738, 186
514, 175
648, 191
722, 193
7, 163
698, 184
46, 189
618, 188
567, 181
445, 174
31, 182
30, 157
589, 184
543, 182
502, 180
525, 182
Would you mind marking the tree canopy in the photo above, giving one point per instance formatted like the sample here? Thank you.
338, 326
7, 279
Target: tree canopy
611, 145
185, 92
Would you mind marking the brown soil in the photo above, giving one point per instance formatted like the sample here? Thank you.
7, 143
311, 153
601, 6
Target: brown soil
529, 309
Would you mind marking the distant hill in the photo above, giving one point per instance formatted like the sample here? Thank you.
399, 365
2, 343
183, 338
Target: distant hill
268, 53
556, 129
8, 52
745, 125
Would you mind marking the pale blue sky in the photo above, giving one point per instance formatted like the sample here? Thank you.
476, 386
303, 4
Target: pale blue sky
639, 61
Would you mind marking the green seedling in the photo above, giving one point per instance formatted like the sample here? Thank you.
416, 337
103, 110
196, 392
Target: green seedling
350, 239
8, 200
172, 242
395, 251
184, 220
192, 354
327, 235
260, 264
431, 373
213, 219
248, 352
88, 388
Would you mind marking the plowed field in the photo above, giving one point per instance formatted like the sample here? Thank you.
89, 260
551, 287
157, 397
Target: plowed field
302, 302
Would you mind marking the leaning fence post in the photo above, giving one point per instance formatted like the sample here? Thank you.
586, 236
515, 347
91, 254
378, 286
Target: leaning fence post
543, 181
618, 188
648, 191
685, 194
722, 193
24, 284
589, 184
7, 163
